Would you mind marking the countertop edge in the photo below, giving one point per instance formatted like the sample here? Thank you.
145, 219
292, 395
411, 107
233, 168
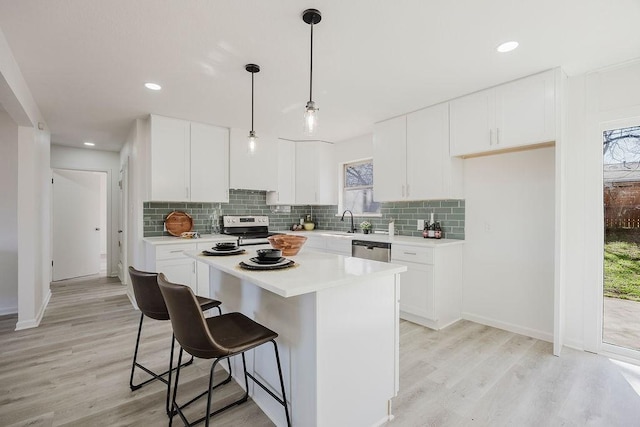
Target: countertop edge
253, 278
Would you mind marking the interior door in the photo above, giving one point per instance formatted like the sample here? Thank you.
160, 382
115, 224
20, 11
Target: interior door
123, 183
76, 224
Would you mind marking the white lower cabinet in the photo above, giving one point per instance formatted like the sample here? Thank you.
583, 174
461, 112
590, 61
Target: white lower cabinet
431, 289
329, 244
170, 260
180, 270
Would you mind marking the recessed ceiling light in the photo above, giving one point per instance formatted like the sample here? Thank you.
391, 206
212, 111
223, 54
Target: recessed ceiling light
507, 46
90, 144
152, 86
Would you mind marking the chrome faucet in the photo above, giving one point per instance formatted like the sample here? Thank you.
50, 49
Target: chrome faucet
353, 228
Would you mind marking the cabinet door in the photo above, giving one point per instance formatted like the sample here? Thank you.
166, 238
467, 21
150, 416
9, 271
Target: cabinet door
285, 189
326, 174
169, 159
209, 163
427, 152
389, 159
202, 272
472, 123
306, 173
417, 292
252, 171
181, 271
525, 111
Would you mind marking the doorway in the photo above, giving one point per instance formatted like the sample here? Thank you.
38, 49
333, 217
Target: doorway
621, 195
79, 232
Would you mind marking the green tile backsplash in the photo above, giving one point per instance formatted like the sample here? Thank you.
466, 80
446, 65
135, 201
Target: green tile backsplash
450, 213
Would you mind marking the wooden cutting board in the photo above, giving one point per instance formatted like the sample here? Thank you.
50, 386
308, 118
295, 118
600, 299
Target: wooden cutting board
177, 222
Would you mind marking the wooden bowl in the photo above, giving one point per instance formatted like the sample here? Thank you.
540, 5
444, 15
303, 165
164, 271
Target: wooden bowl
289, 244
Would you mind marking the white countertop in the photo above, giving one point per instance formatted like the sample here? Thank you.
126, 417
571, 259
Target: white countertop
204, 238
404, 240
385, 238
313, 271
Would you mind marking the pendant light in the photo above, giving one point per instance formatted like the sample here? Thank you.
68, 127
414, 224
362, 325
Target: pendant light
253, 139
311, 17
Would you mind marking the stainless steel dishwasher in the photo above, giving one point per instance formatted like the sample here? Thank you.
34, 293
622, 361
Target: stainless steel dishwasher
376, 251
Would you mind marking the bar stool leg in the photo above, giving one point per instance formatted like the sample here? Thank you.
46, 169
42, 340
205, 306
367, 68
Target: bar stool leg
135, 356
284, 396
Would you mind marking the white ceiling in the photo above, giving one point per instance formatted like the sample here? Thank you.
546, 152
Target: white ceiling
85, 61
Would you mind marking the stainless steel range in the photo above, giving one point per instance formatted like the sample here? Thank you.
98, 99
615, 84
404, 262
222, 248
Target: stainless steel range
250, 230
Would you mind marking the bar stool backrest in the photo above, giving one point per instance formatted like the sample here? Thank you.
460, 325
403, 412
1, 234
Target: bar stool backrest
148, 295
188, 322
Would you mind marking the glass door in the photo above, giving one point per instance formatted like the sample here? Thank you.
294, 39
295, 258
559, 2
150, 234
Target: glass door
621, 178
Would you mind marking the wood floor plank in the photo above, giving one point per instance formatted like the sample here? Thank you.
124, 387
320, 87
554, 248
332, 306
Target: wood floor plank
73, 370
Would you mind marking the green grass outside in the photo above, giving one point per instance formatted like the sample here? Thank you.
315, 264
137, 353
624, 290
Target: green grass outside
622, 264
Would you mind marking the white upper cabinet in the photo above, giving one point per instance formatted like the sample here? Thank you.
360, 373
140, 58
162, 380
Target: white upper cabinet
411, 157
316, 174
170, 159
525, 111
188, 161
431, 172
253, 171
390, 159
286, 174
472, 123
512, 115
209, 163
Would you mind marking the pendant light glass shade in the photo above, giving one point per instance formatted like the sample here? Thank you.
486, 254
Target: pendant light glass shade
252, 139
311, 17
310, 118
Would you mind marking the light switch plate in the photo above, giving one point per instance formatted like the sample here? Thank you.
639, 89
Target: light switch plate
420, 224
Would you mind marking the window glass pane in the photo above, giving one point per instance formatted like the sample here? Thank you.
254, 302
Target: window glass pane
360, 201
358, 174
357, 194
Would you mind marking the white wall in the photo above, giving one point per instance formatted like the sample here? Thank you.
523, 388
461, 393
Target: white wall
96, 160
360, 147
8, 214
135, 153
34, 225
595, 98
509, 241
34, 182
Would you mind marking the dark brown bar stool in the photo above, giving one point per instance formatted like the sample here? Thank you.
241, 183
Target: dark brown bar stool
218, 338
151, 304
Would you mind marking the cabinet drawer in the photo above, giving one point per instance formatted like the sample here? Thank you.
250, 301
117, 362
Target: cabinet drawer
173, 251
411, 254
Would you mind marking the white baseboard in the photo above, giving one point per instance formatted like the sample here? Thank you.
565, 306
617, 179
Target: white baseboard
132, 300
576, 345
33, 323
533, 333
8, 310
431, 324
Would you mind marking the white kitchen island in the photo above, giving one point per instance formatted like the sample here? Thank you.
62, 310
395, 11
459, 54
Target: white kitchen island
337, 318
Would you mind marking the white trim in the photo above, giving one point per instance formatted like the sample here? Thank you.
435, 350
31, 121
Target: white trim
629, 120
620, 353
533, 333
132, 300
341, 167
33, 323
9, 310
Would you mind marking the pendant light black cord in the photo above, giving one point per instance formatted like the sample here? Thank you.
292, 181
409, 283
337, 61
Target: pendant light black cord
252, 101
311, 68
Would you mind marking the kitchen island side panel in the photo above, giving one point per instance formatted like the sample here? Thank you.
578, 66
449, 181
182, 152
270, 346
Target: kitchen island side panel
357, 357
338, 349
294, 319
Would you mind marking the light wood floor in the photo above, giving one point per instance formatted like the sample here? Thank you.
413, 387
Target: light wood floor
74, 370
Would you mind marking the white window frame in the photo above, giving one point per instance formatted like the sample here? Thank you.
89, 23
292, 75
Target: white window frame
341, 182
